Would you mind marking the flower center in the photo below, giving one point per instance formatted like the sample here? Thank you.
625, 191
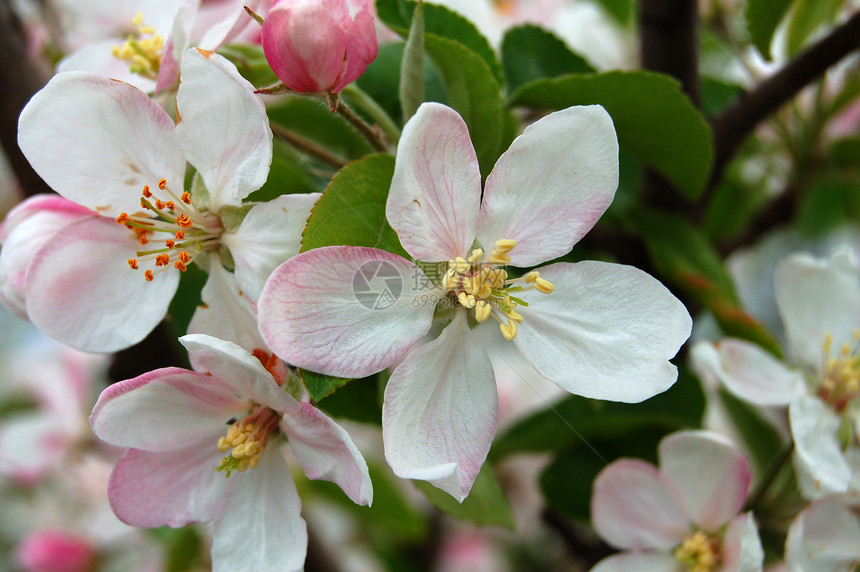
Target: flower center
486, 287
188, 231
840, 383
142, 50
247, 438
699, 552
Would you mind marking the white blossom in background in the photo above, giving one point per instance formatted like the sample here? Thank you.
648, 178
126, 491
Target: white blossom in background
824, 537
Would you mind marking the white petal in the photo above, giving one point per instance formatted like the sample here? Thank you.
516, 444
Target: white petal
606, 332
226, 313
824, 537
237, 368
161, 409
552, 185
344, 311
98, 58
638, 561
710, 476
269, 234
632, 508
439, 411
81, 291
261, 527
818, 459
224, 132
326, 451
31, 445
742, 550
98, 141
436, 189
747, 371
817, 297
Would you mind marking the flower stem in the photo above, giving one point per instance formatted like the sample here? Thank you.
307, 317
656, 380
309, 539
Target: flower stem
770, 476
308, 146
373, 135
363, 101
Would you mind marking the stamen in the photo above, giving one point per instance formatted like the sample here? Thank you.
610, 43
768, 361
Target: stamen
133, 263
148, 275
248, 438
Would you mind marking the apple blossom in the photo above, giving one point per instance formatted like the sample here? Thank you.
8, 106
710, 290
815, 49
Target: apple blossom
595, 329
103, 281
56, 550
825, 537
819, 303
319, 45
173, 420
682, 516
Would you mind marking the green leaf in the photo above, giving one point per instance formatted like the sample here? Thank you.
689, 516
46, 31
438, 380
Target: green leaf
806, 17
288, 175
653, 118
251, 63
186, 299
716, 95
621, 10
684, 256
486, 504
412, 66
473, 93
575, 419
358, 400
351, 211
530, 53
183, 547
828, 202
319, 385
762, 440
763, 17
441, 22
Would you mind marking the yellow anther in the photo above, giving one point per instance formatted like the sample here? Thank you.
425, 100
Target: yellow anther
499, 257
483, 311
459, 265
699, 552
509, 331
505, 245
513, 315
223, 445
449, 280
544, 286
137, 20
146, 30
467, 300
531, 276
476, 255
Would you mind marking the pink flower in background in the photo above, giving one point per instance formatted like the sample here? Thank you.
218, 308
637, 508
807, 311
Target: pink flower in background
595, 329
56, 551
682, 515
319, 45
186, 430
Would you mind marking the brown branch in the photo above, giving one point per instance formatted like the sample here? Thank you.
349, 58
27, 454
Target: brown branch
20, 77
308, 147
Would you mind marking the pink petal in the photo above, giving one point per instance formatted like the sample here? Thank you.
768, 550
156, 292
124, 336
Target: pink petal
81, 291
606, 332
162, 409
436, 189
326, 451
742, 550
232, 155
361, 47
98, 141
439, 411
747, 371
552, 185
174, 487
710, 476
632, 508
329, 310
260, 527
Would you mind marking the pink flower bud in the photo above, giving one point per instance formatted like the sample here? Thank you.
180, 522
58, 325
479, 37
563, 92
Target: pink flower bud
317, 45
55, 551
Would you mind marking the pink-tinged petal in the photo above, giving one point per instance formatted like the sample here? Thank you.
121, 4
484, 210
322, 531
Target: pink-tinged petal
824, 537
710, 476
436, 189
343, 311
162, 409
305, 43
640, 562
742, 550
439, 411
817, 297
606, 332
81, 291
31, 445
98, 58
225, 312
326, 451
821, 467
747, 371
269, 234
98, 141
237, 368
173, 488
552, 185
23, 232
261, 527
47, 550
361, 48
174, 46
632, 508
232, 154
219, 23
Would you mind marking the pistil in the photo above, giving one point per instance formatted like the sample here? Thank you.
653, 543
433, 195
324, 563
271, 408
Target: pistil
247, 438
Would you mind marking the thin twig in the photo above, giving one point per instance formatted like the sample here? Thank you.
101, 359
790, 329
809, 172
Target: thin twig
308, 146
373, 135
770, 476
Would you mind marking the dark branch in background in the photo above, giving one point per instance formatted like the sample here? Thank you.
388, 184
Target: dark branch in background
669, 40
739, 119
20, 78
